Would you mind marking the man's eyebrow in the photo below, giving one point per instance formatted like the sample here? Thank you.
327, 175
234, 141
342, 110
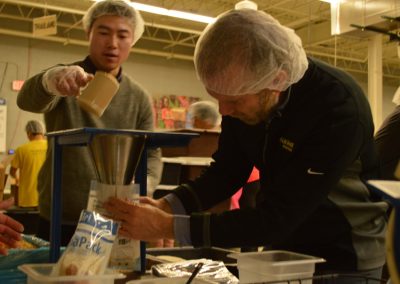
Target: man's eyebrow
104, 27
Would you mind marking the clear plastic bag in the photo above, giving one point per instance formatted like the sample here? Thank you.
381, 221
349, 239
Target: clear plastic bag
89, 249
125, 254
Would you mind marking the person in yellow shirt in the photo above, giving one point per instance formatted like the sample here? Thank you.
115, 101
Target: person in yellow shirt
27, 160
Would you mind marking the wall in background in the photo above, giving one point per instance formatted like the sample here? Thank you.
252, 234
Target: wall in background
21, 58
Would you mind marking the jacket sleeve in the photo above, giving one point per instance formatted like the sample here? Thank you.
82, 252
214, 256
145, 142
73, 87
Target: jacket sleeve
34, 98
223, 178
154, 163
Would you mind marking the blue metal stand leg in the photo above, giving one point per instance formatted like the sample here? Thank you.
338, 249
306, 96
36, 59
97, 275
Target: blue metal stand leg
141, 178
55, 227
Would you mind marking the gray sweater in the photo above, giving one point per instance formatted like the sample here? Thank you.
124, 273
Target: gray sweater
129, 109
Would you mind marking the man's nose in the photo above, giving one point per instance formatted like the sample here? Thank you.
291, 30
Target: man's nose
113, 41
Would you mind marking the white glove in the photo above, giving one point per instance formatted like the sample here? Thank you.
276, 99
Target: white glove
65, 80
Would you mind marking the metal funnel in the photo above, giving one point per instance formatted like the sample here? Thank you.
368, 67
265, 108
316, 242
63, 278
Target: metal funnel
116, 157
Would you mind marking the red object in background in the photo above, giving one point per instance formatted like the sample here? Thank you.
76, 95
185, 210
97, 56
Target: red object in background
255, 175
170, 111
17, 85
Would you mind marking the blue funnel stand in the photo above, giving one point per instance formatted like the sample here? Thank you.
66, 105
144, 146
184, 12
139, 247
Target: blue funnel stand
82, 137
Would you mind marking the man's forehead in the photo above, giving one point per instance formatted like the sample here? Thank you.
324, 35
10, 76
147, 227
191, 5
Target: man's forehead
228, 80
223, 97
110, 22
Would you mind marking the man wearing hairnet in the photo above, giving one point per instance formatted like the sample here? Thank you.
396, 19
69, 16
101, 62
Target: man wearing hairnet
27, 162
112, 27
307, 128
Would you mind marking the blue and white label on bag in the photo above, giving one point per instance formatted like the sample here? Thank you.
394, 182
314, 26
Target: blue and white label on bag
89, 250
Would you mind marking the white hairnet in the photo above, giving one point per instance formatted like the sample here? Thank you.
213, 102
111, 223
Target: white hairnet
119, 8
34, 127
246, 51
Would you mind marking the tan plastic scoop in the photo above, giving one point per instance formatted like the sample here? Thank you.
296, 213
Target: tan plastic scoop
96, 97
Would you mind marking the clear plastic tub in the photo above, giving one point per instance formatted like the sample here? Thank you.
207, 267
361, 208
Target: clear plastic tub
40, 273
257, 267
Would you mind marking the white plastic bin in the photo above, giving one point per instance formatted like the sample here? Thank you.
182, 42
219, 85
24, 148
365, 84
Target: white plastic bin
40, 273
268, 266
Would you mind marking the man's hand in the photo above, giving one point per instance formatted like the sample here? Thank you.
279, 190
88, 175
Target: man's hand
141, 221
159, 203
65, 80
10, 229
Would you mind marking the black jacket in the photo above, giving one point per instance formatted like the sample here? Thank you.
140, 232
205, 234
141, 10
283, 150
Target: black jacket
312, 157
387, 141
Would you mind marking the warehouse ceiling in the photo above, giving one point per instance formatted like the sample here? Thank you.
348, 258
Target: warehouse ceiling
175, 38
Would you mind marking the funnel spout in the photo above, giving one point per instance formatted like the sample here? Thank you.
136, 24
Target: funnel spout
116, 157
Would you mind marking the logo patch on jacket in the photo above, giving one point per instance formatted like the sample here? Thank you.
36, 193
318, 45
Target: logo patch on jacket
287, 144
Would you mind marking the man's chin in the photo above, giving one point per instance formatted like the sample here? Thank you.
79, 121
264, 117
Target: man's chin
249, 121
109, 66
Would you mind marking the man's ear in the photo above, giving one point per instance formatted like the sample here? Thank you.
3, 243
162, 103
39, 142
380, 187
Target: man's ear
279, 80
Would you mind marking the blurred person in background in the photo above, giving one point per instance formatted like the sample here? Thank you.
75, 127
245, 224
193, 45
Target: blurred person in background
112, 27
27, 162
306, 126
204, 115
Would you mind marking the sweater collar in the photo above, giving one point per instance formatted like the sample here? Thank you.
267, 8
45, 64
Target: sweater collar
89, 67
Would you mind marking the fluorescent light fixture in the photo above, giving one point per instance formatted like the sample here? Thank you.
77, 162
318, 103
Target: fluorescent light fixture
170, 13
332, 1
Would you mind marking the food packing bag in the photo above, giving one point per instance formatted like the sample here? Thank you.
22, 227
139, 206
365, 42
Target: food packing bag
125, 255
89, 249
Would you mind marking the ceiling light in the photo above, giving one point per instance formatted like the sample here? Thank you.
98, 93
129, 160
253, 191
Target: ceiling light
332, 1
170, 13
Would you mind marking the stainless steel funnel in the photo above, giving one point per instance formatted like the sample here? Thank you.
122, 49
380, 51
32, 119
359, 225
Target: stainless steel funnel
116, 157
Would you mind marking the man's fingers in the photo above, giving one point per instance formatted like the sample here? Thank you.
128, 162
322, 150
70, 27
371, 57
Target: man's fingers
10, 226
118, 205
8, 241
3, 251
5, 204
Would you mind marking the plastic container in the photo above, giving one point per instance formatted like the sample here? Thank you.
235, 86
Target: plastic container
18, 256
257, 267
13, 276
40, 273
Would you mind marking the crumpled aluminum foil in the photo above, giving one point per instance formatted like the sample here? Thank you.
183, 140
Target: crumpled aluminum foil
213, 271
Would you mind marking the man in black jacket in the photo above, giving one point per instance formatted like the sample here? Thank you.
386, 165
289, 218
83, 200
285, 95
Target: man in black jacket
306, 126
387, 141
